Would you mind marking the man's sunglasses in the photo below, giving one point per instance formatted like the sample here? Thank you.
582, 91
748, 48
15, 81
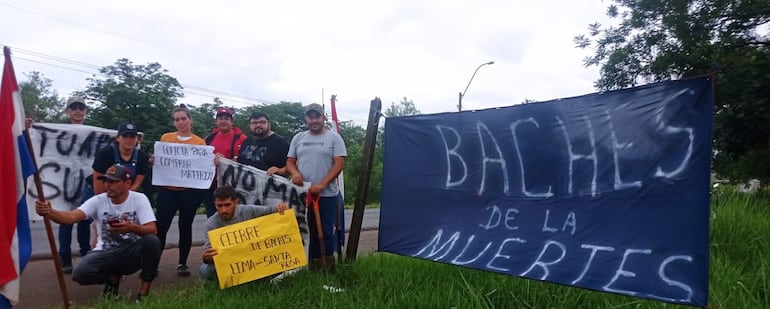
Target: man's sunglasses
77, 106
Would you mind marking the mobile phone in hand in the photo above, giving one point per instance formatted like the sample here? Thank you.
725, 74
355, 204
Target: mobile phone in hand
113, 221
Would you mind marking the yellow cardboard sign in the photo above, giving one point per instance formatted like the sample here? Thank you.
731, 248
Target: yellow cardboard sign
257, 248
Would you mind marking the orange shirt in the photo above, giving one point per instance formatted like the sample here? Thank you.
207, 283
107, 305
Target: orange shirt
172, 137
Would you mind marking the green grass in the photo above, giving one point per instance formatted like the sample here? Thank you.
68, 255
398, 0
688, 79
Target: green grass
739, 278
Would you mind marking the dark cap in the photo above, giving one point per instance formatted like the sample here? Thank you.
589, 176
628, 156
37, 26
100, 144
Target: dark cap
224, 110
116, 172
75, 100
315, 107
128, 128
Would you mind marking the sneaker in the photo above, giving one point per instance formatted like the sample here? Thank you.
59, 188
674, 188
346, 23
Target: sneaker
111, 289
140, 298
182, 270
67, 269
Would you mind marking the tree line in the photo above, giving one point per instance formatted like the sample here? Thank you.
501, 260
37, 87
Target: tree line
656, 40
146, 95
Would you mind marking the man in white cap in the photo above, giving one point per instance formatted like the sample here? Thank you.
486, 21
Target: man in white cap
76, 111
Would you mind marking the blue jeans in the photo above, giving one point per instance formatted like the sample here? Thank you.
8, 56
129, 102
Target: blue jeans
328, 210
65, 240
208, 272
83, 230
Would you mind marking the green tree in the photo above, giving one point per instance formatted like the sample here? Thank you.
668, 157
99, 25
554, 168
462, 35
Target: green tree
142, 94
656, 40
286, 118
203, 117
41, 102
404, 108
353, 135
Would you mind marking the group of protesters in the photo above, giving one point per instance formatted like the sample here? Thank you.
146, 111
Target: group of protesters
129, 236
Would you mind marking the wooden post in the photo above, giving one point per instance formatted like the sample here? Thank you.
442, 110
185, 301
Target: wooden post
367, 157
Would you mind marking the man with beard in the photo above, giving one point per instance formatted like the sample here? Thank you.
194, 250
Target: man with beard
318, 156
264, 149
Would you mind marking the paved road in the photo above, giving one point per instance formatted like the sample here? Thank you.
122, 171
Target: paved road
41, 248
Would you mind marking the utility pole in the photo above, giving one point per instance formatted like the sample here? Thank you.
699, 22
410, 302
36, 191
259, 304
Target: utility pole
462, 94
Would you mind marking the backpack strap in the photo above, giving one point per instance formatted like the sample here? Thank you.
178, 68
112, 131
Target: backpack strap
119, 160
117, 153
134, 157
232, 146
210, 138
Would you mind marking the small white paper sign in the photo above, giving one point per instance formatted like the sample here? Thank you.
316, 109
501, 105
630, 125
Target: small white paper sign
182, 165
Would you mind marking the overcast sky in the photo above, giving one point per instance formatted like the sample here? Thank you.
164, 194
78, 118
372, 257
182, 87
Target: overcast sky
298, 50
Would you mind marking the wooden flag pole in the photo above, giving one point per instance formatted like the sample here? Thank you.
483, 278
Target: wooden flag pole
48, 228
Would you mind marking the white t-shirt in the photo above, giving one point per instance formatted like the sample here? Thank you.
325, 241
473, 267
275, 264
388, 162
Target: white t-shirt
135, 208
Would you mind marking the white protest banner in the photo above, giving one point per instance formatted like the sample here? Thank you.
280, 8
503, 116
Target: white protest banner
258, 188
64, 154
182, 165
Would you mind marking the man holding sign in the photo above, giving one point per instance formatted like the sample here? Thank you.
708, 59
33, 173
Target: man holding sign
229, 212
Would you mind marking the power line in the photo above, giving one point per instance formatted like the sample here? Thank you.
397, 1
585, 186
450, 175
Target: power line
201, 91
131, 39
53, 65
54, 58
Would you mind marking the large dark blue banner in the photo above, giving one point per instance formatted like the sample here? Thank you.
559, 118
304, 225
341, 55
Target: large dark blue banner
608, 191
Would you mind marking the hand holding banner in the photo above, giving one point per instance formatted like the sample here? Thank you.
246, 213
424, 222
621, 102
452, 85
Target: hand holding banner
182, 165
257, 248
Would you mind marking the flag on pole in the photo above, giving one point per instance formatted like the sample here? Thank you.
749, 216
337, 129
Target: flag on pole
340, 183
15, 166
334, 113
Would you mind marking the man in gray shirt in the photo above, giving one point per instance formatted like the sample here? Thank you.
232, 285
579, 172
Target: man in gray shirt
318, 156
229, 212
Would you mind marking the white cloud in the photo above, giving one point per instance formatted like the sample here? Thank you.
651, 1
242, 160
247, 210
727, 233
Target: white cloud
290, 50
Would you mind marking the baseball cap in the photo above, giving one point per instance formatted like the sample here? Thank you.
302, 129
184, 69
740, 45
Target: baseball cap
75, 100
224, 110
128, 128
116, 172
315, 107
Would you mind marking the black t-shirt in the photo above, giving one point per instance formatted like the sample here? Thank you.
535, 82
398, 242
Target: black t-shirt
106, 158
264, 153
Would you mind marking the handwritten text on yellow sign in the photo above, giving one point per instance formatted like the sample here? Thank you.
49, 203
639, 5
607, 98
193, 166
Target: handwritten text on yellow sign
257, 248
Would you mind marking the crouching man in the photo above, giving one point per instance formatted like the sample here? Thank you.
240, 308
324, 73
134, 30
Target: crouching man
229, 212
127, 234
